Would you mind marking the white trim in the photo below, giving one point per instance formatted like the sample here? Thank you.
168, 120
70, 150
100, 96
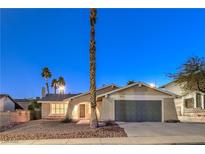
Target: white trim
138, 97
195, 104
162, 110
202, 101
51, 102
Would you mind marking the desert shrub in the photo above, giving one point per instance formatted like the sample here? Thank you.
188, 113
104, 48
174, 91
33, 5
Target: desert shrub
172, 121
110, 123
66, 120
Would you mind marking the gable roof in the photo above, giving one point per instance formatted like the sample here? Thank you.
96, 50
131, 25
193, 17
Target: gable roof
17, 106
56, 97
138, 83
3, 95
111, 85
163, 86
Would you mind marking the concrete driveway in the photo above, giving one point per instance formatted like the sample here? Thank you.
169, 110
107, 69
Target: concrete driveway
155, 129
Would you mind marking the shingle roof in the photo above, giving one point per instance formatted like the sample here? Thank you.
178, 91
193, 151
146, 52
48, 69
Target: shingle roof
22, 100
56, 97
97, 90
24, 104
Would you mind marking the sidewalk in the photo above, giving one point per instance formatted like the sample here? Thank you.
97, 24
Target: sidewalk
116, 141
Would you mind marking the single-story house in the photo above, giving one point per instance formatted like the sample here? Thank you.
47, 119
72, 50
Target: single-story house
53, 106
187, 102
8, 104
137, 102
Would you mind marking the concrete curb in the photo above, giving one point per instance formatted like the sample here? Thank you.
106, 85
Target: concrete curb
170, 140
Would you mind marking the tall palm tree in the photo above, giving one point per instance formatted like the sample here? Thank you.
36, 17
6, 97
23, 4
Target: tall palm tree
54, 84
93, 119
46, 74
61, 84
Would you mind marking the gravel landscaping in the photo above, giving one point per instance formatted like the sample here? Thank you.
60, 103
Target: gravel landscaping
44, 129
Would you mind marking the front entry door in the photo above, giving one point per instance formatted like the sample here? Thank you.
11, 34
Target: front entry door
82, 110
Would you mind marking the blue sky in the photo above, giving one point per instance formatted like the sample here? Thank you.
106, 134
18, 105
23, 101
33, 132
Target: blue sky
132, 44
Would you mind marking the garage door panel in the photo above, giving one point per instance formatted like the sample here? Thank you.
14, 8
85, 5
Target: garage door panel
121, 112
139, 111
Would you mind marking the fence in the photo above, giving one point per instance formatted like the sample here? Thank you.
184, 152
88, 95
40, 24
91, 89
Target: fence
18, 116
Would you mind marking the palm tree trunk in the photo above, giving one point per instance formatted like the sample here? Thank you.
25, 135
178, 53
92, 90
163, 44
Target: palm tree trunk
47, 87
55, 90
93, 118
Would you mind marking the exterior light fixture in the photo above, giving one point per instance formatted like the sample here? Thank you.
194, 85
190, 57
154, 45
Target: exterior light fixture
62, 89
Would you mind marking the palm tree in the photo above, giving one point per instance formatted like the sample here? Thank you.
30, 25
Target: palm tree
46, 74
61, 84
93, 119
54, 84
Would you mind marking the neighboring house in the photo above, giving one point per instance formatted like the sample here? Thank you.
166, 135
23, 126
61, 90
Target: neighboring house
53, 106
188, 103
137, 102
8, 104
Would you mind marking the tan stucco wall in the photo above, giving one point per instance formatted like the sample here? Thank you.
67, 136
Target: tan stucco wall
169, 109
107, 109
179, 106
45, 110
74, 110
73, 107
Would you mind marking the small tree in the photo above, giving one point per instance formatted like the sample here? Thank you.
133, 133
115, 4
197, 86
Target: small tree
191, 75
34, 105
35, 110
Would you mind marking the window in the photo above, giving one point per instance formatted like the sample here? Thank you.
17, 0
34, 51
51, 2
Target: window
189, 103
198, 100
59, 108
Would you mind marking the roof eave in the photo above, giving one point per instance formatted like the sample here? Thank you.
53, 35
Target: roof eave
71, 98
134, 84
